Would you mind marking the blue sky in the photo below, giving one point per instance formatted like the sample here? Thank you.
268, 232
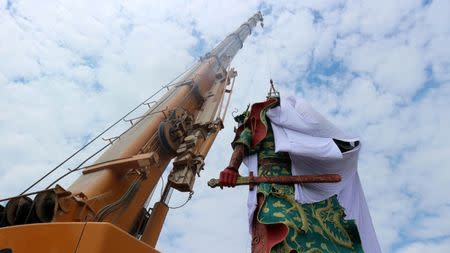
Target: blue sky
380, 69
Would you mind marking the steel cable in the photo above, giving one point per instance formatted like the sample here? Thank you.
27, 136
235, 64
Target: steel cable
169, 84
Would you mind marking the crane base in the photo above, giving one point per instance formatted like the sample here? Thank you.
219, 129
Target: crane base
77, 237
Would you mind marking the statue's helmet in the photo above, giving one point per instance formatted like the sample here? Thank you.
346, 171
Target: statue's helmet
240, 119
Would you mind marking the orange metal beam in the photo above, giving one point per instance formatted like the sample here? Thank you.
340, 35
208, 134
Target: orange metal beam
86, 237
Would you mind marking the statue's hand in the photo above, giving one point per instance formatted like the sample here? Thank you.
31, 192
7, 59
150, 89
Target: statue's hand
228, 177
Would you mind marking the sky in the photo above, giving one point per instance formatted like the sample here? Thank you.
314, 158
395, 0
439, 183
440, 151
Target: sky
380, 69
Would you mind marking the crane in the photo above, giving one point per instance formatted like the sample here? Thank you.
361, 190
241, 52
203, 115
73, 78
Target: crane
104, 209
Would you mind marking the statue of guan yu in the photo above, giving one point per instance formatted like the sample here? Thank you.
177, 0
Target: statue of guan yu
291, 152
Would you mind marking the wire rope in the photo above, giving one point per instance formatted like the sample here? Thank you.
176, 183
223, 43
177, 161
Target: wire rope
169, 84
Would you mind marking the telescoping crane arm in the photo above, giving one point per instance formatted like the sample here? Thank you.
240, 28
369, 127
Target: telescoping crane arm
104, 209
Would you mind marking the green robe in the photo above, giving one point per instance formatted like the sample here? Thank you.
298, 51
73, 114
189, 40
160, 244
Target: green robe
316, 227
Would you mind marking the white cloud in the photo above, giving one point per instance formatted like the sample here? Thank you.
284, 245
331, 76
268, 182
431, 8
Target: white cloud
70, 68
438, 247
402, 71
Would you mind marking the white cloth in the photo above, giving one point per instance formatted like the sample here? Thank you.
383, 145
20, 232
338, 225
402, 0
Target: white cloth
308, 138
252, 164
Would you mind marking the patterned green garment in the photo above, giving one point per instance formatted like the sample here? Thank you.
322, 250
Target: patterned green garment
315, 228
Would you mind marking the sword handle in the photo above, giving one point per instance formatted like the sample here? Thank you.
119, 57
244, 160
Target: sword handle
213, 182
